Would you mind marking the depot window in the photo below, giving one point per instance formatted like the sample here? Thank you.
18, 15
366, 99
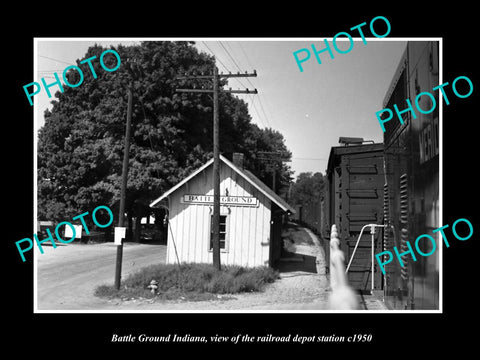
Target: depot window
223, 232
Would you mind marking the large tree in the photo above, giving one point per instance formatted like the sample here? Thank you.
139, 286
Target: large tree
80, 147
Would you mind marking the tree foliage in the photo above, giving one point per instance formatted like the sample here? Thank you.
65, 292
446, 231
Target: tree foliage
308, 189
80, 146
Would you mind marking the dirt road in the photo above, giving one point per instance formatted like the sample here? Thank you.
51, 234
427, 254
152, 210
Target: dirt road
68, 275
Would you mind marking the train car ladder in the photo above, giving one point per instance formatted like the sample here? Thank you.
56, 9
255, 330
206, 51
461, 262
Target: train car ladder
372, 233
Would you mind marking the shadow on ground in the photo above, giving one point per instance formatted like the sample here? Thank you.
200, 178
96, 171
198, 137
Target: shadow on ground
297, 262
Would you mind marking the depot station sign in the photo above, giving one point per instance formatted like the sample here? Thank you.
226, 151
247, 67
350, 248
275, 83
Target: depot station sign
224, 200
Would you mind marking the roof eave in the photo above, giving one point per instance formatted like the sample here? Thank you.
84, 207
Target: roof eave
284, 206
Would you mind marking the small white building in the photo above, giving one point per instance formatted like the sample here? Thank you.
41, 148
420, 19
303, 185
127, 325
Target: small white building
251, 216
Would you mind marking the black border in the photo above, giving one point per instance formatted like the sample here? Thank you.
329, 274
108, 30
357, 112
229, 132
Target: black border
410, 334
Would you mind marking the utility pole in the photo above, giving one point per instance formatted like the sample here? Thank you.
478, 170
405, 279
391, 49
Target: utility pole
216, 146
121, 213
123, 193
216, 175
272, 159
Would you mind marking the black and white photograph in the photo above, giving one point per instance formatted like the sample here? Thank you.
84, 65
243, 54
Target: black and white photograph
301, 209
303, 188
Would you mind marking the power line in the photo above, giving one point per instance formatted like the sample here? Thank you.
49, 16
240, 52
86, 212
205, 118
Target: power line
52, 71
227, 70
235, 64
239, 44
266, 117
258, 112
244, 53
262, 115
215, 56
49, 58
231, 57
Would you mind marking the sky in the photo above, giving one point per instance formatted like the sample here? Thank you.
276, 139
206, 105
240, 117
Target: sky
312, 109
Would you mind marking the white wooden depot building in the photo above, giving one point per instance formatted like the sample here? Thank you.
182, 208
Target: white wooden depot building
250, 217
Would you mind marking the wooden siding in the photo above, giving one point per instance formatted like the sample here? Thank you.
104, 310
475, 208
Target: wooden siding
248, 228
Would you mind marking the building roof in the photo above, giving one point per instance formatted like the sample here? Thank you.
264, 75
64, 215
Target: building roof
337, 151
247, 175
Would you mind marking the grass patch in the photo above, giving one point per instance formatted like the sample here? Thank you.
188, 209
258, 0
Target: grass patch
190, 282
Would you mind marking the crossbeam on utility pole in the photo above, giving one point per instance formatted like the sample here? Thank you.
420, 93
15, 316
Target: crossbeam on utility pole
221, 75
230, 75
216, 146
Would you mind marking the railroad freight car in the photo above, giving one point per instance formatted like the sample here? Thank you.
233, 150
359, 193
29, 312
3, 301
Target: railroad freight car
354, 198
411, 186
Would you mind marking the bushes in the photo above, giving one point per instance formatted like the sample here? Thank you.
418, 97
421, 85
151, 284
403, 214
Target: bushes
191, 281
